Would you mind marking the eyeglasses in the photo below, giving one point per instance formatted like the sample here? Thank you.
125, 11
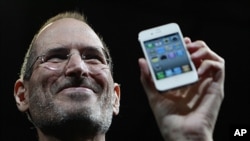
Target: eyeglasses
57, 59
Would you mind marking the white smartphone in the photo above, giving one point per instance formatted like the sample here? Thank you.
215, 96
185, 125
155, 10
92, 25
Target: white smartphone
167, 56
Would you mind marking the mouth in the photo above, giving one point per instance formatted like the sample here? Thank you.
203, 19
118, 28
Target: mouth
73, 86
76, 93
76, 88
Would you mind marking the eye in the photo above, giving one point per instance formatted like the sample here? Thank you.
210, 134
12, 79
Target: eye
56, 57
93, 58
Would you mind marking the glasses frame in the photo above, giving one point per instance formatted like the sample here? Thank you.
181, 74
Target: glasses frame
42, 60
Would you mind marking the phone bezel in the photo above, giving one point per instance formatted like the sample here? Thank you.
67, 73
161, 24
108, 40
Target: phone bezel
173, 81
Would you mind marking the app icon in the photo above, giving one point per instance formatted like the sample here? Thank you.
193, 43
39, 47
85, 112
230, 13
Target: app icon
168, 47
149, 45
163, 57
154, 59
160, 50
179, 52
177, 45
171, 55
186, 68
158, 43
174, 38
177, 70
169, 72
166, 40
157, 67
160, 75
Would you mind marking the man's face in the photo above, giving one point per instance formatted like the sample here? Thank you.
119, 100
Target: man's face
74, 90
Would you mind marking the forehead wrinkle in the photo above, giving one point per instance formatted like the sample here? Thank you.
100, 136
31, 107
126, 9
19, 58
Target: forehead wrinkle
88, 32
80, 47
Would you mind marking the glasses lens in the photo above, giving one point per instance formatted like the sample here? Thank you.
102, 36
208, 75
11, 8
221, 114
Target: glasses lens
58, 62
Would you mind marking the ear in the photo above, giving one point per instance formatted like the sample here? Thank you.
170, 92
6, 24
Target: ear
21, 96
116, 99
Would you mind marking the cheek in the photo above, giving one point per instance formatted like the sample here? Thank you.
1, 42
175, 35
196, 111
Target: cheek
105, 80
103, 75
42, 79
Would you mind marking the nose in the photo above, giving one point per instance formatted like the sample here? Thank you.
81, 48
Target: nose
76, 66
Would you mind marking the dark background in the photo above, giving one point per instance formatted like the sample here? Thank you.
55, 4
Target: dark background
223, 25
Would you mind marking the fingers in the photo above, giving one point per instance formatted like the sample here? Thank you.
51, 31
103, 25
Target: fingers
145, 77
211, 69
204, 57
187, 40
202, 51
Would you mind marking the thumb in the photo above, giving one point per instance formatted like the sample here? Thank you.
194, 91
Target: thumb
145, 77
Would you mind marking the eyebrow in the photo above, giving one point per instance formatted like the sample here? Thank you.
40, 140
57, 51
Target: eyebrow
57, 49
93, 49
101, 51
64, 49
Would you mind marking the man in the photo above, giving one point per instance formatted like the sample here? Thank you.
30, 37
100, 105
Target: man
67, 90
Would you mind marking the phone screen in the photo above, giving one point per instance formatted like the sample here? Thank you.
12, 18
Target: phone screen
167, 56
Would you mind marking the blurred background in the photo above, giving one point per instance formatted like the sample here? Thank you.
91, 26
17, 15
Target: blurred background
223, 25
